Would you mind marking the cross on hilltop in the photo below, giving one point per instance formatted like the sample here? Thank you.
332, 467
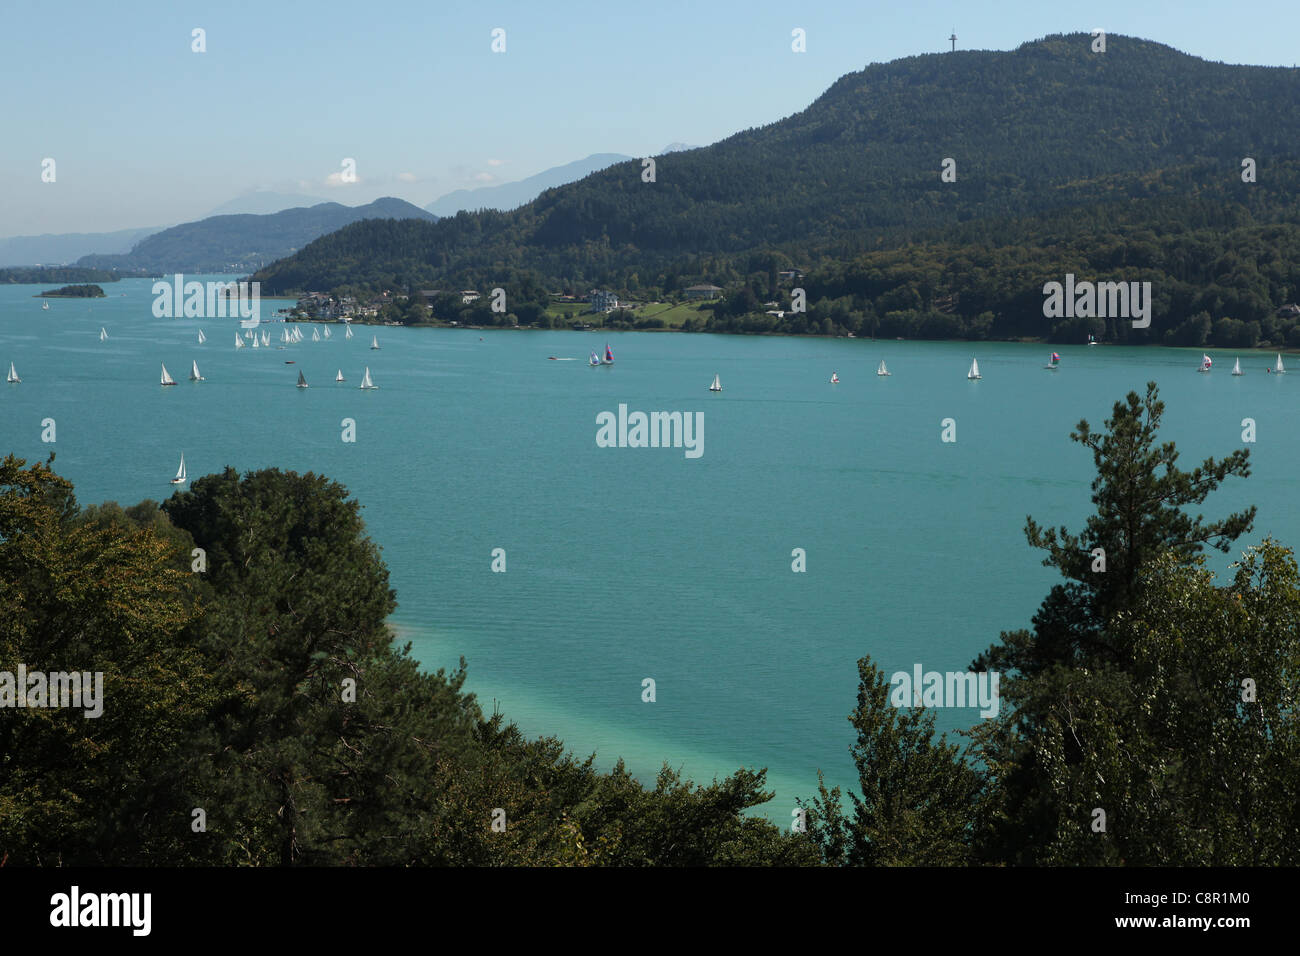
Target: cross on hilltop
953, 38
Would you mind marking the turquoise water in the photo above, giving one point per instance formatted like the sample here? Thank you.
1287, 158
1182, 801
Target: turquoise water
628, 563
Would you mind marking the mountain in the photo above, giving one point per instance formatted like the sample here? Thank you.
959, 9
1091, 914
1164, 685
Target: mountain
60, 248
676, 148
1138, 134
244, 242
264, 202
510, 195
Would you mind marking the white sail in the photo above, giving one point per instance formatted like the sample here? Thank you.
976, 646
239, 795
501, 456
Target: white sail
103, 334
257, 342
365, 382
374, 341
835, 379
13, 376
327, 333
266, 339
348, 333
315, 335
1236, 368
45, 304
202, 338
974, 372
239, 343
302, 379
339, 376
181, 474
882, 370
1278, 368
717, 384
167, 379
194, 372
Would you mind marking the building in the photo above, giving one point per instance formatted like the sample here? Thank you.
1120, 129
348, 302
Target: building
789, 275
467, 296
702, 291
603, 301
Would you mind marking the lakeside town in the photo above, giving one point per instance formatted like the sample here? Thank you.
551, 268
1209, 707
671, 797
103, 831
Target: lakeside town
688, 309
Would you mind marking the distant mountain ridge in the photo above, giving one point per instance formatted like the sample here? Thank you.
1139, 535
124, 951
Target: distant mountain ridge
264, 202
506, 196
61, 248
244, 242
1048, 126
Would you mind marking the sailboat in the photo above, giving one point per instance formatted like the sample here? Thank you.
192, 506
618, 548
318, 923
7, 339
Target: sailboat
974, 372
609, 356
1054, 362
202, 338
103, 334
315, 335
302, 379
1236, 368
13, 376
239, 343
266, 340
45, 305
348, 333
181, 474
882, 370
257, 341
594, 360
339, 376
1278, 369
167, 379
194, 373
1206, 362
717, 385
327, 333
248, 335
297, 335
1091, 340
365, 382
835, 379
374, 341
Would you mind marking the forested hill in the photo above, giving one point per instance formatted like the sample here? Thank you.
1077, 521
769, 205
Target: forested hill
1048, 125
246, 241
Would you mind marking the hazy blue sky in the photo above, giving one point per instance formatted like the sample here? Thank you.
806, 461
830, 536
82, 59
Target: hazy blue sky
145, 132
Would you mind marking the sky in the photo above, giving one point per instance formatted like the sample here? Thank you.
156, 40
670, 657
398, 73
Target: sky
144, 131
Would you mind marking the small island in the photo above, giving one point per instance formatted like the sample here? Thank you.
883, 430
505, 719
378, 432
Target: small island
73, 292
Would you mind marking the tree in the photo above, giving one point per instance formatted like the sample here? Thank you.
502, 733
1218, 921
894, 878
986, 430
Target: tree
919, 796
94, 597
1140, 494
1191, 750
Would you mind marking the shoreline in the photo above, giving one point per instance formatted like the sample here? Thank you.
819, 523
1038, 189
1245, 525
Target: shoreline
796, 335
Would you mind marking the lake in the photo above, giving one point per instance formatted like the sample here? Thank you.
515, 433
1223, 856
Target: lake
627, 563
